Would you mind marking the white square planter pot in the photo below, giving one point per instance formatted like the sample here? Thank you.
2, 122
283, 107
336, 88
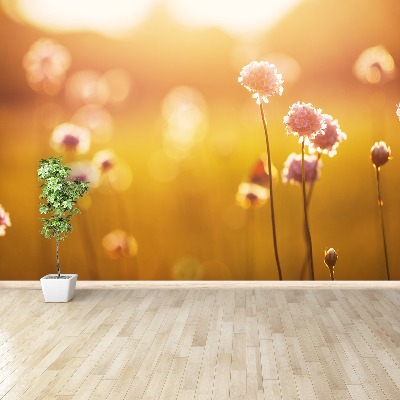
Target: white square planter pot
58, 290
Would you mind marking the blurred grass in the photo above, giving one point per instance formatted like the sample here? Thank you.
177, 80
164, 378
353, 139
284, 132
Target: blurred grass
190, 227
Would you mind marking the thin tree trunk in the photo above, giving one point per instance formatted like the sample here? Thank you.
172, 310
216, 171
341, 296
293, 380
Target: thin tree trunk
57, 257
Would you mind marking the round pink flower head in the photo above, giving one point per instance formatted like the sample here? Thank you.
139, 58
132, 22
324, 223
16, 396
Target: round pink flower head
380, 154
105, 160
45, 64
251, 195
327, 141
398, 111
70, 137
304, 120
4, 221
84, 171
262, 79
292, 169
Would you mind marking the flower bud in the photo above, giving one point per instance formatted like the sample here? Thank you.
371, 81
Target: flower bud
330, 257
380, 154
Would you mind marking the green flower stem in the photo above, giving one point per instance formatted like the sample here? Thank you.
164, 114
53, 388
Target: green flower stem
307, 227
380, 204
271, 195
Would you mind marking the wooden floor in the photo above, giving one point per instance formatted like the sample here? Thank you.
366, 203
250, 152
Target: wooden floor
262, 340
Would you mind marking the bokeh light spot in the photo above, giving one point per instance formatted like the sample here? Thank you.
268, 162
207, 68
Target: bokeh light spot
185, 111
119, 243
86, 87
187, 268
118, 82
97, 119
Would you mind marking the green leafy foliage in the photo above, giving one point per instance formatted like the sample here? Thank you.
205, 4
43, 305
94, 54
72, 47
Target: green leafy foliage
60, 196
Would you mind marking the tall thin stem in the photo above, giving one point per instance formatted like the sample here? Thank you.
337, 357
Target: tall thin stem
332, 274
312, 184
58, 257
309, 195
307, 227
271, 195
380, 204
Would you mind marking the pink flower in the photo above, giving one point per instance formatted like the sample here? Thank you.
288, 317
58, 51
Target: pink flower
119, 243
304, 120
328, 139
105, 160
84, 171
380, 154
398, 111
262, 79
4, 221
251, 195
70, 137
45, 64
292, 169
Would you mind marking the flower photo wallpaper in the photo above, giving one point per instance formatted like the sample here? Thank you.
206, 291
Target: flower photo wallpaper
244, 140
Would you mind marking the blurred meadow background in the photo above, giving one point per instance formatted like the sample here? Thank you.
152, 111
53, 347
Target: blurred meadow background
155, 82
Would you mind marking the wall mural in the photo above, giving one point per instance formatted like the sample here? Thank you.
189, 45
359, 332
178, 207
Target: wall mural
257, 145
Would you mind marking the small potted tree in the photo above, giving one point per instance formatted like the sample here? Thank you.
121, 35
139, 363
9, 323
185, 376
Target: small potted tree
60, 196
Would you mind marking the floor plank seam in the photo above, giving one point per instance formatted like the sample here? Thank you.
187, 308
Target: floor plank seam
316, 352
378, 358
175, 355
162, 349
147, 300
129, 388
259, 338
204, 347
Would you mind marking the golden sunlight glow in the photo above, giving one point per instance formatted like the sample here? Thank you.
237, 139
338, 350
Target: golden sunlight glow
110, 17
237, 17
118, 17
185, 112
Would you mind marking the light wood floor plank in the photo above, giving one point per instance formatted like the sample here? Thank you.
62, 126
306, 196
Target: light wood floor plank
226, 340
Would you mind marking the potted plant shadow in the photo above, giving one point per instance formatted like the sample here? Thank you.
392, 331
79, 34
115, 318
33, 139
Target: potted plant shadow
60, 196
